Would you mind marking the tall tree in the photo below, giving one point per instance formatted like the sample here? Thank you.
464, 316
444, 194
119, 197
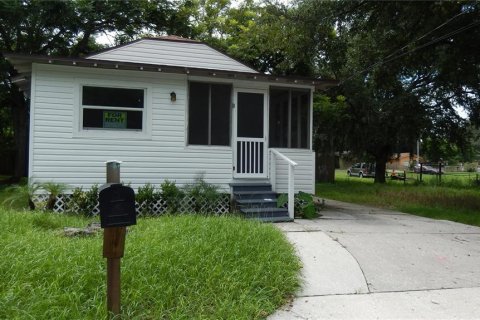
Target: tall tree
405, 68
25, 27
67, 28
328, 133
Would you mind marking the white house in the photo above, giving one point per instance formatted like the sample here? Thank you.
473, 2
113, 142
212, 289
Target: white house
169, 108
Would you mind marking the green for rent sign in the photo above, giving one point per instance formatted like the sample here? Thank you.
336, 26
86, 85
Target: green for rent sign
114, 119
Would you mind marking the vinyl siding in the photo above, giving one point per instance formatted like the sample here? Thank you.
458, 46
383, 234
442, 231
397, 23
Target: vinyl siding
62, 152
171, 53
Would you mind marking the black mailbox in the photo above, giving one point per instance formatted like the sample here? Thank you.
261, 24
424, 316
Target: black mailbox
117, 206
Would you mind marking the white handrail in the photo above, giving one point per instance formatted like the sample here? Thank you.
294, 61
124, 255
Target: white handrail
291, 180
284, 157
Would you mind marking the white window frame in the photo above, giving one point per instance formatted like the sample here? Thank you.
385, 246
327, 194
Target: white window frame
80, 131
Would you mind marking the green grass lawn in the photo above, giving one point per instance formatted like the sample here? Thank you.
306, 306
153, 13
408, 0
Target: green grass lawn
456, 198
175, 267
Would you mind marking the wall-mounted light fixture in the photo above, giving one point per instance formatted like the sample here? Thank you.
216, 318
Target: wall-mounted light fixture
173, 96
18, 79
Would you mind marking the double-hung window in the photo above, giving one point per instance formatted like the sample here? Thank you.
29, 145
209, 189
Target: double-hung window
289, 118
112, 108
209, 114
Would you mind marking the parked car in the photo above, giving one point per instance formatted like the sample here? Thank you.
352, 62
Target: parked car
425, 169
362, 170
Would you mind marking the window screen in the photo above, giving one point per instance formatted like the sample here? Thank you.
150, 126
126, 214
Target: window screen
198, 113
279, 118
112, 108
289, 118
299, 119
113, 97
112, 119
209, 114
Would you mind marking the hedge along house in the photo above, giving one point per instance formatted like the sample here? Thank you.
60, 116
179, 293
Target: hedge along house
169, 108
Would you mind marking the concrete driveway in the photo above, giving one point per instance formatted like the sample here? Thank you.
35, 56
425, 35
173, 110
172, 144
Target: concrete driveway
367, 263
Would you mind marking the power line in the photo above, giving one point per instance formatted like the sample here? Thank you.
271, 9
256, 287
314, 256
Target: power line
426, 34
445, 36
448, 35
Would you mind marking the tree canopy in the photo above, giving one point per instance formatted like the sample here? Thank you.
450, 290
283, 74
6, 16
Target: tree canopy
68, 28
404, 68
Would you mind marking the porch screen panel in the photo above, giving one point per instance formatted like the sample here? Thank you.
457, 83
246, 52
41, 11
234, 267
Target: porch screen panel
209, 114
220, 114
299, 119
289, 118
279, 118
198, 113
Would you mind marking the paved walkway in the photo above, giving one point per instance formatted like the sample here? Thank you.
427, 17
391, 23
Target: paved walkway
366, 263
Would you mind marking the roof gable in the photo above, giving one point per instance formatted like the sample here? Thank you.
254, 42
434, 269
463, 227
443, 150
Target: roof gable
173, 52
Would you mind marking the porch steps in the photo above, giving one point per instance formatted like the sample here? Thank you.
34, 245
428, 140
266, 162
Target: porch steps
258, 201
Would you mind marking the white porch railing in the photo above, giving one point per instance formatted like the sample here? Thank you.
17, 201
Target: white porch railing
291, 178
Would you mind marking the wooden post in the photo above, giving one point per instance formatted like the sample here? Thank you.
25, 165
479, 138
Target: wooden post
113, 248
440, 172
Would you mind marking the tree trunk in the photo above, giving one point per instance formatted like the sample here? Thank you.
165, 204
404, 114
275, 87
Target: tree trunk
325, 159
380, 168
82, 45
325, 164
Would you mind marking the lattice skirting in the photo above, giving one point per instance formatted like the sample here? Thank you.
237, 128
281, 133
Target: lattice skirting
186, 204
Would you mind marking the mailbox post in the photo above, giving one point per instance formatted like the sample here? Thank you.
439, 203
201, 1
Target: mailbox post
117, 211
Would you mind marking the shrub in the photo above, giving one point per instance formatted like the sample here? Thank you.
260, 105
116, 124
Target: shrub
83, 201
204, 195
172, 195
54, 190
475, 182
22, 194
304, 205
471, 167
146, 196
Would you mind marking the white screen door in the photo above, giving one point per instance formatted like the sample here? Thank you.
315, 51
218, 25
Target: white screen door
250, 134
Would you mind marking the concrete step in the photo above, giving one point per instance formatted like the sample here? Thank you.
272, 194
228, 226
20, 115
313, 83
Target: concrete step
275, 219
265, 211
245, 186
256, 200
254, 195
257, 203
266, 214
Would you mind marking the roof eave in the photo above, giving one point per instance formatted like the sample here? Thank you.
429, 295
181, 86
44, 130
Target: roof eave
318, 84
